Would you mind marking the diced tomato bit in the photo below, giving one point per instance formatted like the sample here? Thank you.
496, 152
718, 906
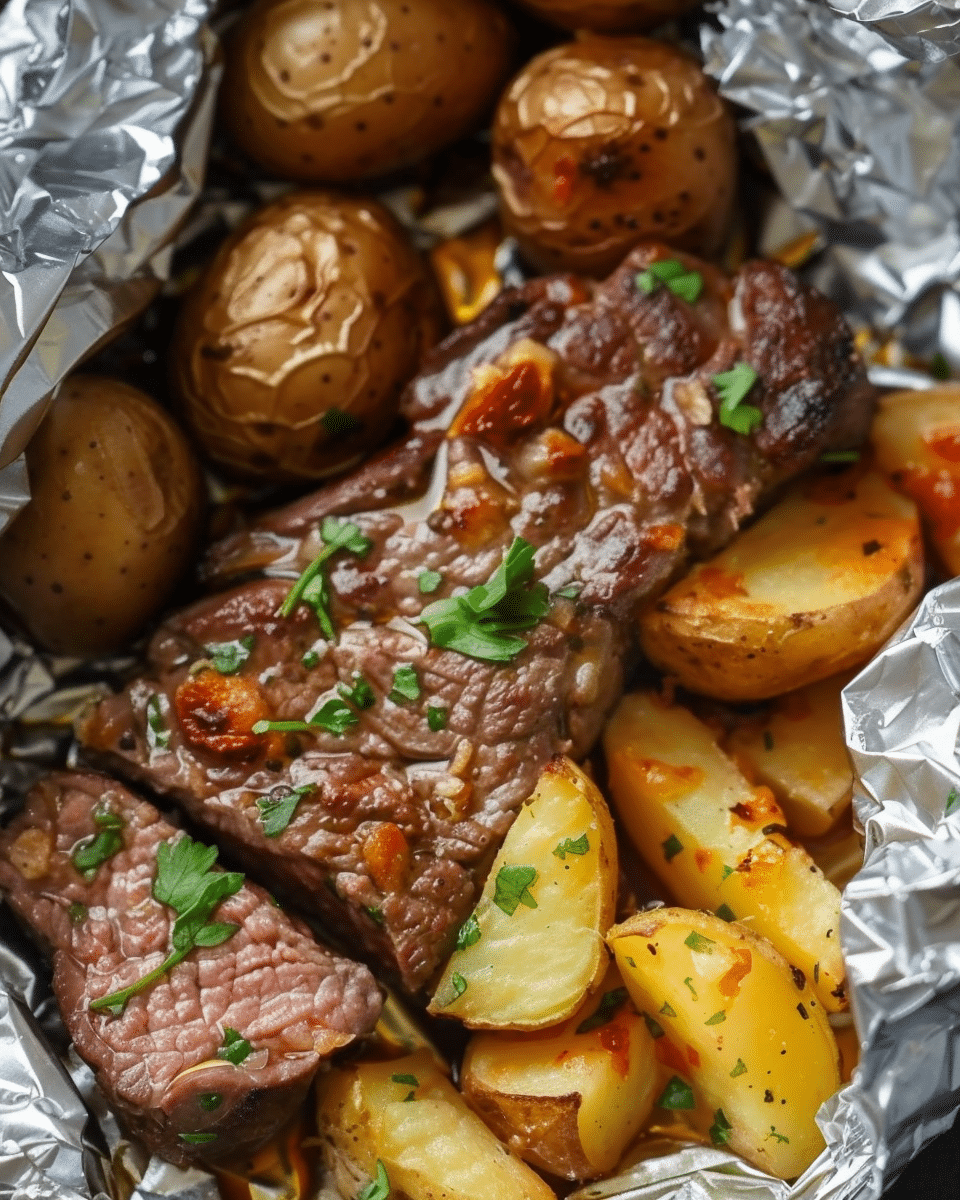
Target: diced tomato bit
217, 713
670, 1055
692, 1056
387, 855
505, 401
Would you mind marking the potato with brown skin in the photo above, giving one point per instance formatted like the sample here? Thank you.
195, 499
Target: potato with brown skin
339, 92
292, 350
613, 16
117, 499
602, 142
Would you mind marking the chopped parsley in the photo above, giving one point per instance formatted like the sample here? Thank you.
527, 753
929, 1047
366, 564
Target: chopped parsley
840, 456
310, 660
732, 386
696, 941
311, 588
779, 1136
333, 716
428, 582
767, 740
656, 1029
277, 809
683, 283
667, 1010
210, 1101
512, 888
77, 913
569, 846
468, 933
339, 423
688, 983
197, 1139
726, 913
229, 657
486, 622
953, 802
720, 1129
677, 1094
610, 1004
717, 1019
406, 1080
186, 882
739, 1069
90, 854
459, 984
360, 693
158, 732
726, 872
671, 847
406, 685
379, 1188
437, 717
570, 591
235, 1049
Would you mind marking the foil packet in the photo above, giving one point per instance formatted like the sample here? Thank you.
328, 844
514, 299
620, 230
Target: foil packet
106, 113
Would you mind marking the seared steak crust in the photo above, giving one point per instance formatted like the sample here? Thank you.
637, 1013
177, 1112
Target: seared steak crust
582, 418
157, 1063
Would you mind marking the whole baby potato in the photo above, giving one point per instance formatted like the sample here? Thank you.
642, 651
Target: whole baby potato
341, 91
601, 142
612, 16
292, 350
116, 502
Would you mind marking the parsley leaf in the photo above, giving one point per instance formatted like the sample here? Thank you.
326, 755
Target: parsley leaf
339, 423
779, 1136
235, 1048
717, 1019
379, 1188
436, 717
406, 685
407, 1080
698, 942
726, 913
671, 847
333, 716
210, 1101
90, 854
677, 1094
732, 386
720, 1129
429, 581
485, 622
512, 888
311, 588
276, 811
186, 882
360, 694
739, 1069
158, 732
610, 1004
953, 802
469, 932
197, 1139
459, 984
569, 846
840, 456
683, 283
229, 657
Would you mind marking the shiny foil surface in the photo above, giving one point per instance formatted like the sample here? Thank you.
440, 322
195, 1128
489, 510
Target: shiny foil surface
106, 110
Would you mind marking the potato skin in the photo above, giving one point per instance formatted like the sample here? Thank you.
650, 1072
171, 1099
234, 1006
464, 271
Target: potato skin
339, 92
613, 16
602, 142
117, 499
292, 350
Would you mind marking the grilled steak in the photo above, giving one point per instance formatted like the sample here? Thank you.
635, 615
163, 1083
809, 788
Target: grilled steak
584, 419
215, 1056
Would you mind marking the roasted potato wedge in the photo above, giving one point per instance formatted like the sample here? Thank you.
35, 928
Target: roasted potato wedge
799, 752
761, 618
571, 1102
917, 439
839, 854
408, 1118
718, 843
533, 946
761, 1056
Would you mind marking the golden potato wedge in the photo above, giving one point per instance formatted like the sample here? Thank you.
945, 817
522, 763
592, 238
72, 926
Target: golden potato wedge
814, 587
917, 439
533, 946
571, 1102
839, 853
407, 1118
761, 1056
718, 843
800, 753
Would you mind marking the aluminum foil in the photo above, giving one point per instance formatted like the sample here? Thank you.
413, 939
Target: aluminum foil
106, 109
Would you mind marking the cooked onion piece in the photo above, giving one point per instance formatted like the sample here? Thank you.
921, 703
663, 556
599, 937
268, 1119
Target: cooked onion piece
292, 350
917, 439
534, 945
406, 1119
569, 1102
718, 843
604, 141
814, 587
345, 91
117, 501
749, 1034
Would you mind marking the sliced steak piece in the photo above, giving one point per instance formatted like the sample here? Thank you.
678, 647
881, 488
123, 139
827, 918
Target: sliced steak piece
584, 419
209, 1061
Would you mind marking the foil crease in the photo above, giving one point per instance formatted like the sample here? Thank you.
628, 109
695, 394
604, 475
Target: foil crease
861, 142
105, 112
929, 30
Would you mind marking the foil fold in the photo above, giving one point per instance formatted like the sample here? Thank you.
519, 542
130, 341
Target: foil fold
928, 30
